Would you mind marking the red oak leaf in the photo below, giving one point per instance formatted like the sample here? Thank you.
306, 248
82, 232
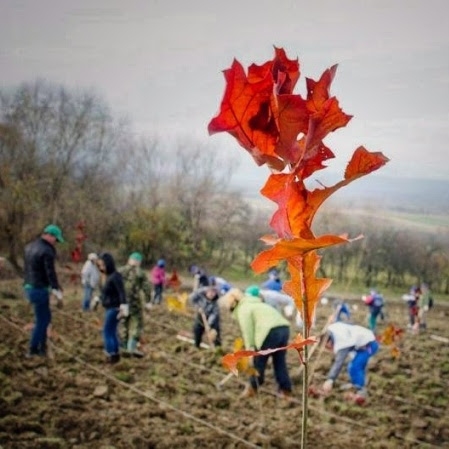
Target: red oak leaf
285, 71
329, 118
326, 115
313, 159
304, 285
291, 197
286, 249
363, 162
293, 119
247, 113
230, 361
318, 92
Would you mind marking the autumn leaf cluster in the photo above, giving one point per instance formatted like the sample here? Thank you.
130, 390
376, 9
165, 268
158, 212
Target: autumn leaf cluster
286, 131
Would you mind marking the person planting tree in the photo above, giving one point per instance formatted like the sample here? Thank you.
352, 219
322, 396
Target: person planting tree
357, 343
262, 327
207, 319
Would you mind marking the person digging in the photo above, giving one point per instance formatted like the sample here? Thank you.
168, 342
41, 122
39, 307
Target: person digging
207, 318
353, 342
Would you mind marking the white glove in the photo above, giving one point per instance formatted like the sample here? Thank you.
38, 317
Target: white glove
95, 302
327, 386
123, 311
57, 293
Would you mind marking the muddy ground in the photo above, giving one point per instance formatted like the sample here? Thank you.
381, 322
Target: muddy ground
170, 399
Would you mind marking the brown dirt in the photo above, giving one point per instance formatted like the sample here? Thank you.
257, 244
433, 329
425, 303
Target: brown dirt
169, 398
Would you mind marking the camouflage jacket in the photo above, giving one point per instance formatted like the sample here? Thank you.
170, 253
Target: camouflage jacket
136, 283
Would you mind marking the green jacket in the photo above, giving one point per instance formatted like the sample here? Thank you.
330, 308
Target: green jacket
136, 282
256, 319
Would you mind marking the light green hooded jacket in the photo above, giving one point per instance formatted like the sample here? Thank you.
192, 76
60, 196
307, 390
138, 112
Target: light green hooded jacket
256, 319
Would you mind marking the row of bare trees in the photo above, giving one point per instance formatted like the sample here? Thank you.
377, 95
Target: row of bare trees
389, 255
65, 158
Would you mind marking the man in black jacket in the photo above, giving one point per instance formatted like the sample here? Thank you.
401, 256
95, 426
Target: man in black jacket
41, 280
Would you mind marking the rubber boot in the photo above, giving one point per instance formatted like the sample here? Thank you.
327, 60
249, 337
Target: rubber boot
132, 348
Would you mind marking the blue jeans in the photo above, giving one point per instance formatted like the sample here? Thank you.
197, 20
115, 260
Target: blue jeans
276, 338
110, 332
357, 367
88, 290
158, 289
40, 299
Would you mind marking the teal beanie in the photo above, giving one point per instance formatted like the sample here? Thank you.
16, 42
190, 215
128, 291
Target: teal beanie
252, 290
136, 256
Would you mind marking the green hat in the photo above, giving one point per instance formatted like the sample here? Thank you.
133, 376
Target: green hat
136, 256
253, 290
55, 231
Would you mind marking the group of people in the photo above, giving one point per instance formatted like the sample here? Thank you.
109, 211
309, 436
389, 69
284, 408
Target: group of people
119, 292
123, 293
263, 325
258, 310
419, 301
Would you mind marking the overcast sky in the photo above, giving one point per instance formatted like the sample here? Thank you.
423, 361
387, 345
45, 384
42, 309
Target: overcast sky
160, 63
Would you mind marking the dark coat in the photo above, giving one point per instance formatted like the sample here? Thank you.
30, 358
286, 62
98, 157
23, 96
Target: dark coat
113, 291
40, 271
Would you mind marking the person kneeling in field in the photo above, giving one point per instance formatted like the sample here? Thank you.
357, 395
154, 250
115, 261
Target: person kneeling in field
358, 343
262, 327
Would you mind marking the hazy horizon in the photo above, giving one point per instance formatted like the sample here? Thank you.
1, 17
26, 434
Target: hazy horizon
160, 64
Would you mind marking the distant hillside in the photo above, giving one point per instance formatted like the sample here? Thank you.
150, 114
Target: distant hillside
421, 196
399, 194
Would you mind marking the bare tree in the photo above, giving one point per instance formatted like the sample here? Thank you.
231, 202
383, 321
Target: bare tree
54, 143
199, 178
145, 169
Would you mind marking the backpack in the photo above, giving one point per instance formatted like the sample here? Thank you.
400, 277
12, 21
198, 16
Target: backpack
378, 301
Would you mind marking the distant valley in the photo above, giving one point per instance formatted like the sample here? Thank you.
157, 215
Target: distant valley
412, 203
417, 196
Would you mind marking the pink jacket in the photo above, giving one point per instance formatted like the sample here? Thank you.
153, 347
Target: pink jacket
158, 275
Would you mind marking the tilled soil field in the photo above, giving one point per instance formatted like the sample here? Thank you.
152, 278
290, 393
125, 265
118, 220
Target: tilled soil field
170, 399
